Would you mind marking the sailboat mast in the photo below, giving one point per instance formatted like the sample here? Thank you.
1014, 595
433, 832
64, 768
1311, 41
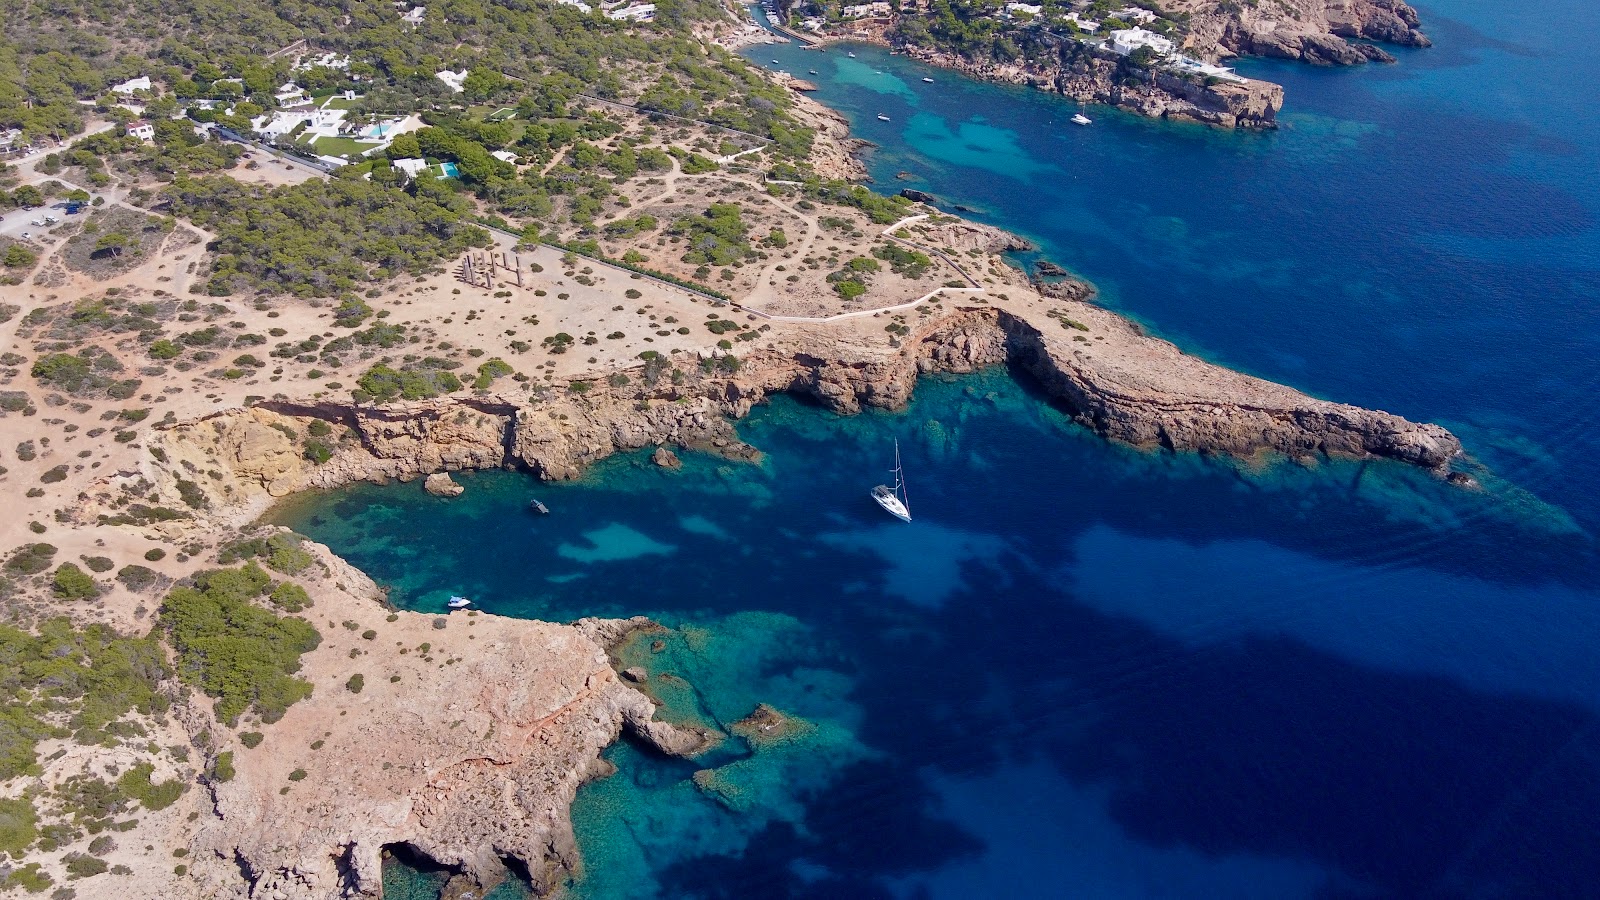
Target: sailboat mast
900, 478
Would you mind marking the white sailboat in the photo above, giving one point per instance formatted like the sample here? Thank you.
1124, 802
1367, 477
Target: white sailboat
894, 499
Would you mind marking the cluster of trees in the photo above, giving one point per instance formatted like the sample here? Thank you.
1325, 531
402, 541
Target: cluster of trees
90, 678
419, 380
910, 263
323, 238
243, 655
716, 237
851, 281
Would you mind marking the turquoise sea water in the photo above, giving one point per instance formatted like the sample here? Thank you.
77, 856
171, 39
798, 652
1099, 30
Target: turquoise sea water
1088, 671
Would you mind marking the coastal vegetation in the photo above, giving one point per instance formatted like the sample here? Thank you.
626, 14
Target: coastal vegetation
321, 238
237, 652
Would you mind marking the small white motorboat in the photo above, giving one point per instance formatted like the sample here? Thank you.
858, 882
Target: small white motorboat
882, 117
1081, 119
774, 62
458, 603
894, 499
851, 54
928, 80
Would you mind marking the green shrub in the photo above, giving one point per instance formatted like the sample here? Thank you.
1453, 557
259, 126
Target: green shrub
290, 597
251, 739
136, 578
99, 563
72, 583
28, 877
317, 451
356, 683
164, 349
136, 784
297, 775
222, 767
155, 554
239, 653
79, 865
54, 475
19, 825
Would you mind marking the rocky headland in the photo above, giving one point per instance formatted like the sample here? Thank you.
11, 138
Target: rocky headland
1100, 368
1320, 32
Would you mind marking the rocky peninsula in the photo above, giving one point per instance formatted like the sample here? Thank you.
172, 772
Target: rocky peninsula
1075, 60
361, 729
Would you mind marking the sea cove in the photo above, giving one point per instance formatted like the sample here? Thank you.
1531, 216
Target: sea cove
1107, 672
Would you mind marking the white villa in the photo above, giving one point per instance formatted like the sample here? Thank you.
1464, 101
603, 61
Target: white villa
874, 10
412, 167
1128, 40
413, 16
505, 156
581, 6
291, 94
1087, 26
142, 83
1136, 14
318, 122
639, 12
456, 81
1030, 9
142, 130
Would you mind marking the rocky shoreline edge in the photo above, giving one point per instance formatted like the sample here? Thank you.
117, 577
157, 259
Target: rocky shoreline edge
540, 700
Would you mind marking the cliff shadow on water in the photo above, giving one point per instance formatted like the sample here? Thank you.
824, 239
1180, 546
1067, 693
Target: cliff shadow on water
1129, 637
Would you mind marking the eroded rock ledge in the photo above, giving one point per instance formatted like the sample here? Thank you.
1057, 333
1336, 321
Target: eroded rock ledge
475, 768
1102, 369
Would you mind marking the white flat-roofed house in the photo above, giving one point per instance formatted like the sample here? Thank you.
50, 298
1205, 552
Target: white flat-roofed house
1029, 9
1087, 26
1205, 70
142, 83
291, 94
876, 10
1136, 14
412, 167
579, 4
1128, 40
142, 130
505, 156
455, 81
639, 12
414, 15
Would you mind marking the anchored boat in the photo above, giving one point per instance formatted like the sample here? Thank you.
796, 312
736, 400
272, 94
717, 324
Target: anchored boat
894, 500
458, 603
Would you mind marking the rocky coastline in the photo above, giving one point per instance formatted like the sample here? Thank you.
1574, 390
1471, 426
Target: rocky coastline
1319, 32
1100, 368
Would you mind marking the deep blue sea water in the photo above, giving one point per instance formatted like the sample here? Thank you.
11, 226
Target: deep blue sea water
1088, 671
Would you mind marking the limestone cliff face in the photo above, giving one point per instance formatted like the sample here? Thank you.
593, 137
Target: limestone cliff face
1111, 377
1325, 32
471, 762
